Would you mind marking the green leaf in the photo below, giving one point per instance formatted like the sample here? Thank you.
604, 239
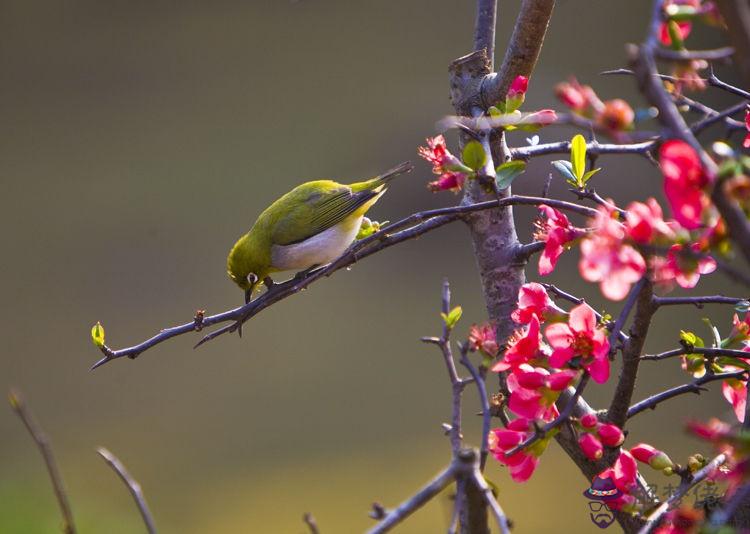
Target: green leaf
473, 155
587, 175
494, 111
452, 317
97, 335
565, 168
507, 172
512, 104
691, 339
578, 156
714, 331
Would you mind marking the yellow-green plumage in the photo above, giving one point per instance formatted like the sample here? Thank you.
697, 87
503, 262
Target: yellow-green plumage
310, 225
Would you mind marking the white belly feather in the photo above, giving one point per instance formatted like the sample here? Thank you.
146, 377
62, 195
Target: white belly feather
319, 249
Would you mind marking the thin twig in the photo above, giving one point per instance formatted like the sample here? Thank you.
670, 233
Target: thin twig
133, 486
410, 227
689, 55
408, 507
685, 486
42, 442
691, 387
497, 511
623, 317
311, 523
483, 400
707, 351
698, 302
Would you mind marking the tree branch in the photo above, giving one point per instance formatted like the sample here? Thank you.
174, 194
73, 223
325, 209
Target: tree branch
523, 49
708, 351
618, 408
42, 442
698, 302
410, 227
133, 487
691, 387
685, 486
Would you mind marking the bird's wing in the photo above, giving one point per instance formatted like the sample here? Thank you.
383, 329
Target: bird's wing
316, 212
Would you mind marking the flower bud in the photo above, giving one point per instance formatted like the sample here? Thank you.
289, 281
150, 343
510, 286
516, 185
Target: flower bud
591, 446
589, 420
610, 435
616, 115
653, 457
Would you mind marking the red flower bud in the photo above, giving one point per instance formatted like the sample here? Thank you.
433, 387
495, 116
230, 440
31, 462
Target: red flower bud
591, 446
518, 87
610, 435
653, 457
589, 420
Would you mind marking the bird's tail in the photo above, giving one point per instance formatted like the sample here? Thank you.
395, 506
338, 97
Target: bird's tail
390, 174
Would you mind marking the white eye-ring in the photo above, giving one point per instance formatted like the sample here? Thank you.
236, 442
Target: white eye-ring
252, 278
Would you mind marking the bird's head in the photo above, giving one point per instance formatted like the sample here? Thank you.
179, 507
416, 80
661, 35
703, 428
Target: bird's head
245, 267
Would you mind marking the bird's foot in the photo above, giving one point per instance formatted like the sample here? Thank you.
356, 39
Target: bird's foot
303, 274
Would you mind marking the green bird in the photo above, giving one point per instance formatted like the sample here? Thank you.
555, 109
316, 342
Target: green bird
311, 225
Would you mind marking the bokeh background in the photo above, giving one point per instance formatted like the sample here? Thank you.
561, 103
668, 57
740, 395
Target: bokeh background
139, 139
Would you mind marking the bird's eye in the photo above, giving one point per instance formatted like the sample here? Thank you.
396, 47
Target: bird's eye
252, 278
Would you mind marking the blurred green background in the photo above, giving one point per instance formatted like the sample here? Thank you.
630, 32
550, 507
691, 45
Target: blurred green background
140, 139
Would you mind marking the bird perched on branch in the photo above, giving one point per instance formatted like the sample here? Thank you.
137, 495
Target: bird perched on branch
311, 225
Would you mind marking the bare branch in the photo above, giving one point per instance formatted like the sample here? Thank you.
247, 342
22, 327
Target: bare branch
408, 228
483, 400
691, 387
497, 511
408, 507
133, 487
698, 302
689, 55
592, 147
523, 49
618, 407
311, 523
42, 442
708, 351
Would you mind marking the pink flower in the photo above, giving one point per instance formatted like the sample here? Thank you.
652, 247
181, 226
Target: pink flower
556, 232
532, 301
683, 29
684, 182
645, 222
617, 115
522, 347
746, 142
625, 471
450, 181
518, 87
501, 440
606, 259
682, 268
580, 338
655, 458
534, 390
450, 169
437, 153
591, 446
735, 392
531, 403
610, 435
482, 338
740, 330
580, 98
715, 430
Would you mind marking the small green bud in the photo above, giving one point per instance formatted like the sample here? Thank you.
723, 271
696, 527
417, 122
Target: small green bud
97, 335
